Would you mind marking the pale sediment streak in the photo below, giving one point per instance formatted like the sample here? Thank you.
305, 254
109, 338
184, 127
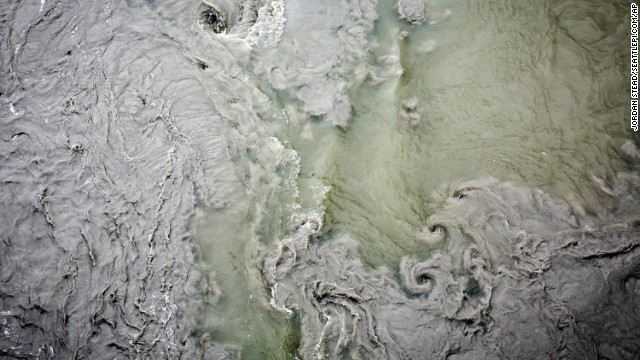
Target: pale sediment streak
268, 28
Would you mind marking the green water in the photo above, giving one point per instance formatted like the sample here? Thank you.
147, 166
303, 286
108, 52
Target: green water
533, 92
528, 92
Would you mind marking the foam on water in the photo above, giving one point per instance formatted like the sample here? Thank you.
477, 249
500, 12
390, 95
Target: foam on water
330, 179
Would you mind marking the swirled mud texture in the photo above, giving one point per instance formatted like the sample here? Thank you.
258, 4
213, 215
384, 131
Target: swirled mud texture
122, 123
514, 274
119, 122
110, 142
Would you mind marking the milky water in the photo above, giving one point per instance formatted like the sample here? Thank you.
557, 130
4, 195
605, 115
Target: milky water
330, 179
529, 92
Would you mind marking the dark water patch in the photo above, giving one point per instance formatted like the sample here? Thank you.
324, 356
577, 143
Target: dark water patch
212, 19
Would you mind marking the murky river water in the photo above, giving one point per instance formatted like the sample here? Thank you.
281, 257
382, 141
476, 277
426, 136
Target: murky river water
331, 179
529, 92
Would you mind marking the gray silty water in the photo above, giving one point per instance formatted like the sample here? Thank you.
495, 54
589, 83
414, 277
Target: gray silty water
110, 141
219, 179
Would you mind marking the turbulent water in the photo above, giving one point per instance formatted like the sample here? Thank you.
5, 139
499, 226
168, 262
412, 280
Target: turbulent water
339, 179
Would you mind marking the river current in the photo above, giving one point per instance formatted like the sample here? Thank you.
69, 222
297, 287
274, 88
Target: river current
339, 179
